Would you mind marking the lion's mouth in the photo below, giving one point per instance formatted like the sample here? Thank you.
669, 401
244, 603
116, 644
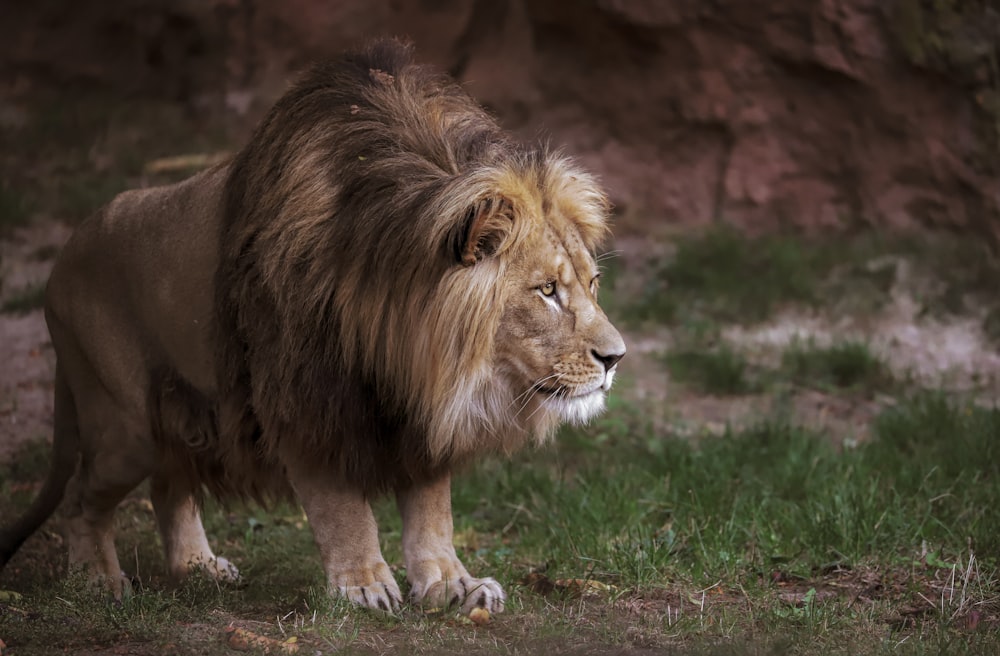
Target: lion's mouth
566, 392
551, 391
576, 405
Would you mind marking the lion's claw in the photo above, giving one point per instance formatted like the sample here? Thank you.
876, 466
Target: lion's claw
466, 592
376, 596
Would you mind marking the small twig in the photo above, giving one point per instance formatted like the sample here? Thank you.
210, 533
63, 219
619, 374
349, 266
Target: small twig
185, 162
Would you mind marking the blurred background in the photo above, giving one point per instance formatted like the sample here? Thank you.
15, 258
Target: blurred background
793, 113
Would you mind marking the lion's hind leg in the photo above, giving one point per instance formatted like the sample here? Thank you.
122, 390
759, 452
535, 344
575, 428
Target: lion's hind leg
101, 407
436, 575
114, 460
103, 479
184, 541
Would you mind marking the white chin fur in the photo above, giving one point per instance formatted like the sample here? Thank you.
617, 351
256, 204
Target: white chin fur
579, 409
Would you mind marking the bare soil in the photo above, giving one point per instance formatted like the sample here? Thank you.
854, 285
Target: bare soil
27, 362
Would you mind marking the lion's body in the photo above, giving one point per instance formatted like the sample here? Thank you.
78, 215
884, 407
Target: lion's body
349, 307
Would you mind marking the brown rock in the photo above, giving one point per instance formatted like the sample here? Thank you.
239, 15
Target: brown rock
794, 112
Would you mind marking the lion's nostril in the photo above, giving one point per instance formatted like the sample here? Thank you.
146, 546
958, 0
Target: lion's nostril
609, 360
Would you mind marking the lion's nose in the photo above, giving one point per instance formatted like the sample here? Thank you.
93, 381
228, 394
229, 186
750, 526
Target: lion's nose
608, 359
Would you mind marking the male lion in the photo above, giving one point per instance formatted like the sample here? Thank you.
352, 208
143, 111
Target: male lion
379, 287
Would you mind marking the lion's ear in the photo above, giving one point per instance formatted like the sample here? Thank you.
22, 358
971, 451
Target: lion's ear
484, 230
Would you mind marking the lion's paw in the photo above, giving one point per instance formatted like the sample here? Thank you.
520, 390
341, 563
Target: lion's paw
464, 591
222, 570
116, 589
378, 596
215, 567
370, 586
121, 587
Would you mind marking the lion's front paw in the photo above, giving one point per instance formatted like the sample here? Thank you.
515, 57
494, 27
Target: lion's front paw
216, 568
120, 587
372, 588
377, 596
222, 570
465, 591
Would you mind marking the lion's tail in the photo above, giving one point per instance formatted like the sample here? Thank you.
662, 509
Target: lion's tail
65, 453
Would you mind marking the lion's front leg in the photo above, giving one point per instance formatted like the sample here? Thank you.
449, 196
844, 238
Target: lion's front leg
435, 573
347, 535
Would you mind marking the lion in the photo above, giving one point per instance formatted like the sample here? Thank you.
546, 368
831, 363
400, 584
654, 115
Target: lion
380, 287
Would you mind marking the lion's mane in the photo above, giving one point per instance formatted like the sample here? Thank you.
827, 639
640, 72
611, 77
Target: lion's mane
350, 326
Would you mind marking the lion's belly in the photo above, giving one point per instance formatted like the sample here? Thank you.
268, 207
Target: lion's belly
133, 289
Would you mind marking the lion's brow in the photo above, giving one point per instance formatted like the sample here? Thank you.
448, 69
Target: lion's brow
574, 251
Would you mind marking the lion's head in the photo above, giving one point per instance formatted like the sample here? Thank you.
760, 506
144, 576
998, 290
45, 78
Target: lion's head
430, 281
552, 353
555, 347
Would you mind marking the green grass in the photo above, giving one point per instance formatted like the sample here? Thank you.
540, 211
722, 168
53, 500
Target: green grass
846, 365
849, 366
725, 276
770, 493
15, 210
25, 300
731, 533
721, 371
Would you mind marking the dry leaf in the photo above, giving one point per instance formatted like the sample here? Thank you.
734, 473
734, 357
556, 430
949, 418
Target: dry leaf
480, 616
381, 76
185, 162
9, 596
543, 585
243, 640
585, 586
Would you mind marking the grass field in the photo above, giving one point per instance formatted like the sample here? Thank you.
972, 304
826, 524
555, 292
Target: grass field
766, 540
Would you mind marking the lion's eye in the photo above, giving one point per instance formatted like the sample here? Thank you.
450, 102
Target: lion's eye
548, 289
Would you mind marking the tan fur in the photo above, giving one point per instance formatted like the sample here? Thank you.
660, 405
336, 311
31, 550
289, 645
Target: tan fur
381, 286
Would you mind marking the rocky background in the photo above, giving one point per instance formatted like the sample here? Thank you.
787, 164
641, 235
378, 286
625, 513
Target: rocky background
786, 113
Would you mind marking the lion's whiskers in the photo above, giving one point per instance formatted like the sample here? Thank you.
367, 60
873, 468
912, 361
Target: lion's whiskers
559, 396
534, 387
527, 395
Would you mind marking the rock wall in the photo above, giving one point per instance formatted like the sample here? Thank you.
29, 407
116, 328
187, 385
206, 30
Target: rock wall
802, 113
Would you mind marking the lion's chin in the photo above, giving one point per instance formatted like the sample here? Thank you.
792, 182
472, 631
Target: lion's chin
577, 409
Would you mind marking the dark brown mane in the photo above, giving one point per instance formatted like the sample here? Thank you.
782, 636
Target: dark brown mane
291, 236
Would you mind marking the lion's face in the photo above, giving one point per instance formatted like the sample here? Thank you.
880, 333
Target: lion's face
555, 345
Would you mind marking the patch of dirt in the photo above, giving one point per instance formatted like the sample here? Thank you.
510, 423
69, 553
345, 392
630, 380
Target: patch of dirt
672, 409
27, 362
950, 351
